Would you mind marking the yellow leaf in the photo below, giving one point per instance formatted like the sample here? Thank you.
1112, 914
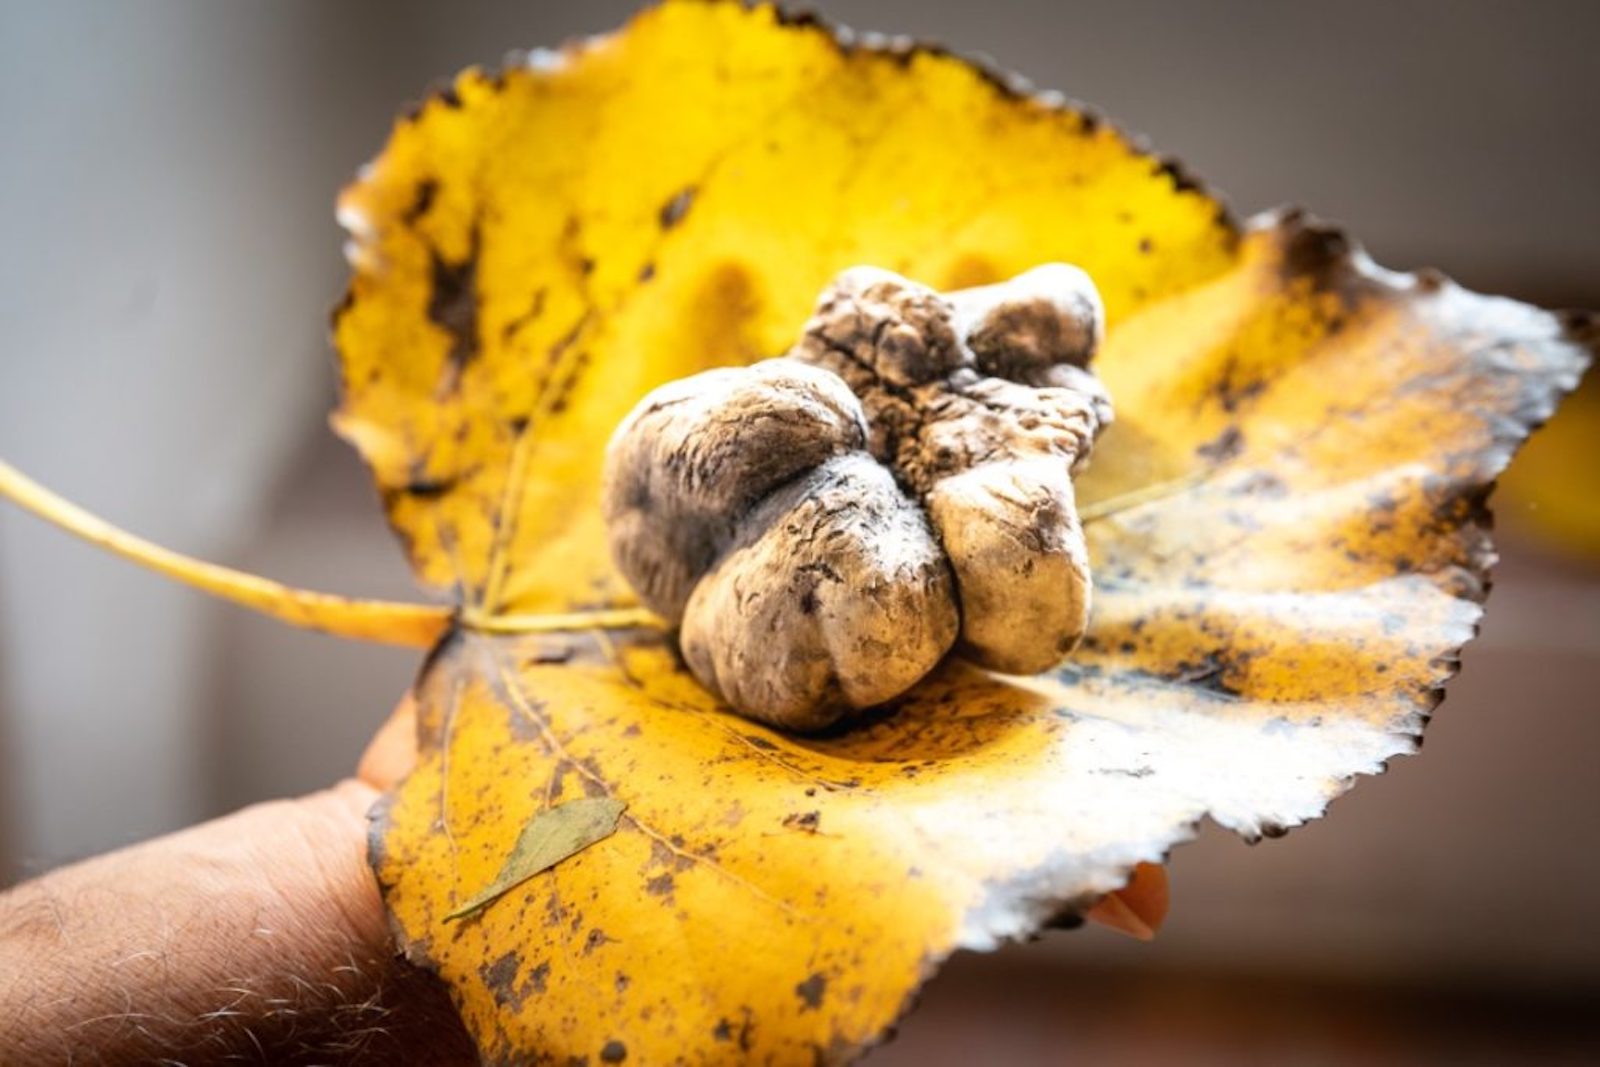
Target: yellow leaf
1303, 448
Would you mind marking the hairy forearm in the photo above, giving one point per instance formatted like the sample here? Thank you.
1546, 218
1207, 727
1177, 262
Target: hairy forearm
259, 936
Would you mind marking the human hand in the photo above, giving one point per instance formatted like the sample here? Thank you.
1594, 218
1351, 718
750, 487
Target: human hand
259, 936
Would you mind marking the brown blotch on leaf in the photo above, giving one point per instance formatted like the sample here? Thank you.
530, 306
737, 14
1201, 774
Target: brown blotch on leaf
811, 991
453, 304
427, 189
500, 975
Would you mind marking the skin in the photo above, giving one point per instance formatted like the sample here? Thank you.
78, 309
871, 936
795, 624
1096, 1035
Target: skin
257, 937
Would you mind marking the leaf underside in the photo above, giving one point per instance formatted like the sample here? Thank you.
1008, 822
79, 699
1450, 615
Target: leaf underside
536, 249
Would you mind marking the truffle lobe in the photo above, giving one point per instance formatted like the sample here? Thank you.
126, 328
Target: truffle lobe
1048, 316
698, 454
1011, 533
835, 597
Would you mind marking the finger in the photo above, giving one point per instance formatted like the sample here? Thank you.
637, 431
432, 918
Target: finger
1138, 908
392, 752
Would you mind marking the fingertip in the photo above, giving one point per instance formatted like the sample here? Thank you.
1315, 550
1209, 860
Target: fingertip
392, 753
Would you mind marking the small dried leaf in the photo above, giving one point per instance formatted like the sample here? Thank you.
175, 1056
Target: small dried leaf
550, 837
535, 250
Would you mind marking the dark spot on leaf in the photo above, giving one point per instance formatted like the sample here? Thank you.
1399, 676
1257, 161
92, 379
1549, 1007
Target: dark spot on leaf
569, 383
1205, 673
1312, 249
661, 885
1225, 446
805, 821
535, 309
673, 211
596, 938
1182, 181
429, 488
1262, 483
538, 978
1230, 393
547, 655
811, 990
453, 303
499, 975
427, 189
1127, 772
757, 741
614, 1052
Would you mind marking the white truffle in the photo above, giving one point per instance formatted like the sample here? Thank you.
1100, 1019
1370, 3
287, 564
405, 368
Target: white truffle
812, 523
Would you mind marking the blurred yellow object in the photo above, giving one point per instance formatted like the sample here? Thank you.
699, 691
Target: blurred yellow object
1552, 492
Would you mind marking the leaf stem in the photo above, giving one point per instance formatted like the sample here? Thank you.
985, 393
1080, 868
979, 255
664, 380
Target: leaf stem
383, 621
386, 622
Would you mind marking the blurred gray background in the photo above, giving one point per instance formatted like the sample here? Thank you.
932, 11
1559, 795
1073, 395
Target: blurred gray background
167, 178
